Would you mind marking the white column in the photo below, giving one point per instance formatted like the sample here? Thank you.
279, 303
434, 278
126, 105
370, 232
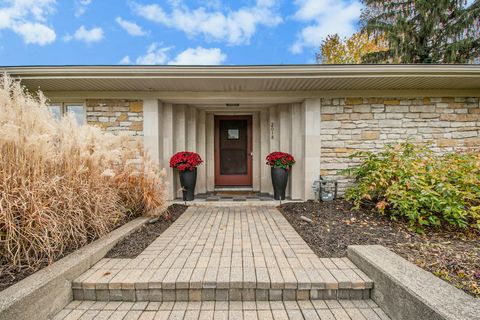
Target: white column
210, 162
201, 149
312, 144
168, 147
297, 178
265, 181
151, 129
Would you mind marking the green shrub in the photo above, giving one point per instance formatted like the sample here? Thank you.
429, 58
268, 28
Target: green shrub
411, 181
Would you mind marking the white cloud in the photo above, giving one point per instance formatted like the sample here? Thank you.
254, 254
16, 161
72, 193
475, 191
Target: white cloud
324, 17
132, 28
81, 7
28, 19
199, 56
88, 36
36, 33
158, 55
155, 55
234, 26
125, 60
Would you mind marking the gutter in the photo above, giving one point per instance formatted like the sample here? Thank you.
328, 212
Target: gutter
241, 72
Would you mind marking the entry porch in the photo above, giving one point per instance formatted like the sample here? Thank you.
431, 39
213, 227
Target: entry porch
233, 138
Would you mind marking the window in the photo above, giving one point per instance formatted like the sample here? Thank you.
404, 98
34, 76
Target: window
77, 109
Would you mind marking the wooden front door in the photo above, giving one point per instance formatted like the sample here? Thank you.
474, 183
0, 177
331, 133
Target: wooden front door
233, 150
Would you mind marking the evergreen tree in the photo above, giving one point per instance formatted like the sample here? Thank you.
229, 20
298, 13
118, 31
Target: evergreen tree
424, 31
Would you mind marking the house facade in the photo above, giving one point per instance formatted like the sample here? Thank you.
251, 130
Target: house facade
233, 116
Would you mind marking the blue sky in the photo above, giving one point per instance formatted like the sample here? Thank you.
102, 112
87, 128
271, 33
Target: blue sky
50, 32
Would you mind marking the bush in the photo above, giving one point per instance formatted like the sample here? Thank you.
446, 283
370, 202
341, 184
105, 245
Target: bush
411, 181
63, 185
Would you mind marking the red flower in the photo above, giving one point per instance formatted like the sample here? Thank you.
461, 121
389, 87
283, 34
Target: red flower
185, 160
280, 160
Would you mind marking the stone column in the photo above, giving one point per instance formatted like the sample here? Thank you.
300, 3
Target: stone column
201, 149
180, 132
284, 126
284, 120
257, 158
265, 182
168, 146
179, 112
151, 129
274, 129
191, 128
210, 162
297, 178
312, 144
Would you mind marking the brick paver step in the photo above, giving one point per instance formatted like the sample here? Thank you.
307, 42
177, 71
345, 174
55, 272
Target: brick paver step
249, 310
222, 253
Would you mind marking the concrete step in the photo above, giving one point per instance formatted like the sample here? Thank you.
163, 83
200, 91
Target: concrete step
249, 310
144, 279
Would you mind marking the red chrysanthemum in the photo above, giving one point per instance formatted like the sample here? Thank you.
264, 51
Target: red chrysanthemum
280, 160
185, 161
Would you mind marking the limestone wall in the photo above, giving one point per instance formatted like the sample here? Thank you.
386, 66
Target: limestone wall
116, 115
354, 124
346, 125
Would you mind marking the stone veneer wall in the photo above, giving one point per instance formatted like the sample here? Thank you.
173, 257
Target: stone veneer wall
361, 124
115, 116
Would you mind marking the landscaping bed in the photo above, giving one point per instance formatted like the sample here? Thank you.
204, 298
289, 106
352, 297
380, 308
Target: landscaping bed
451, 254
129, 247
134, 244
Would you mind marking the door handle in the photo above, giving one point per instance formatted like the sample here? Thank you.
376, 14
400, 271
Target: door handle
251, 153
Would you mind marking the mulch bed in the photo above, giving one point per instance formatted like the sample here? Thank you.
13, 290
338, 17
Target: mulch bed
453, 255
134, 244
152, 231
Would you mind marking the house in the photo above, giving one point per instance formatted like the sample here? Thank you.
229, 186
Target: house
233, 116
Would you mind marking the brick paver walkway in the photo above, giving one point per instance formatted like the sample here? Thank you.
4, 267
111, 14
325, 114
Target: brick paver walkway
249, 310
221, 253
224, 263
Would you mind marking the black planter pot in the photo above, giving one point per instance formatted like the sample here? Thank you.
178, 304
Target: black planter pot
279, 181
188, 180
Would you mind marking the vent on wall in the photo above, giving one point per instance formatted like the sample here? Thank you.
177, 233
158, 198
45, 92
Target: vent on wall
233, 105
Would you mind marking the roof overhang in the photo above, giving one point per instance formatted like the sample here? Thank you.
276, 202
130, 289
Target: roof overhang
239, 79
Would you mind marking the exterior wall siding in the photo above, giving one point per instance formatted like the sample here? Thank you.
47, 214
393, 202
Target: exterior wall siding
367, 124
115, 116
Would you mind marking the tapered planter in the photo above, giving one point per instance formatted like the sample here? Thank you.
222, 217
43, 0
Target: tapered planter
188, 180
279, 181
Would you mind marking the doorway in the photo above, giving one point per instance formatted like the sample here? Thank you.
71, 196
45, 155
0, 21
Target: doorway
233, 151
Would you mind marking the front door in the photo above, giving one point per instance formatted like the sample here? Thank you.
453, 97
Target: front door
233, 150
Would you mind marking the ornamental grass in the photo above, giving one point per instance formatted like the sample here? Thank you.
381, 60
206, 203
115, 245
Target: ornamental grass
63, 185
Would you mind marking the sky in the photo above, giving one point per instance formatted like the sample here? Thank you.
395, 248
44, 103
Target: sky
170, 32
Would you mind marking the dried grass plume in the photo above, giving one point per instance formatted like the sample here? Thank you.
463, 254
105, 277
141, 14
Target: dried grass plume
61, 184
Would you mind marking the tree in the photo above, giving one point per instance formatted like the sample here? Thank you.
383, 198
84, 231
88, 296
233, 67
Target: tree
349, 51
424, 31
